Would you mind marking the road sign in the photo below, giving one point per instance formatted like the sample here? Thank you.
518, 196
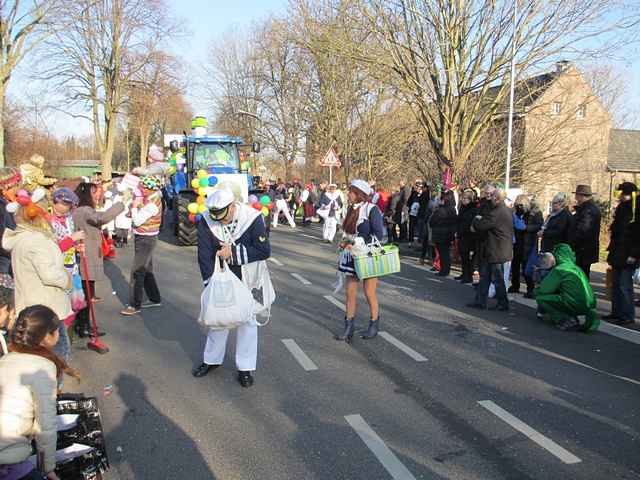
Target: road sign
330, 159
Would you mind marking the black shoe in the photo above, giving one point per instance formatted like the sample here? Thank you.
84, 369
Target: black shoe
529, 295
372, 330
459, 278
610, 317
622, 323
245, 379
513, 289
349, 328
443, 274
202, 369
476, 306
466, 281
499, 308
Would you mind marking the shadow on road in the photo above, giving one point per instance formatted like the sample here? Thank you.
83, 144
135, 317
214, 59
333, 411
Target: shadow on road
148, 444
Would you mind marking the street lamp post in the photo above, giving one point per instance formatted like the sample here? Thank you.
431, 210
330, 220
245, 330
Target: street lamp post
511, 95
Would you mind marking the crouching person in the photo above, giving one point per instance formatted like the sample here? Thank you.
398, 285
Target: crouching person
235, 233
565, 296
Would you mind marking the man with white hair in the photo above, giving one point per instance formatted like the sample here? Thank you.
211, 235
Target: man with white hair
497, 224
236, 233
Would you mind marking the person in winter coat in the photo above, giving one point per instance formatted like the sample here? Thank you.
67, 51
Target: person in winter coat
29, 377
390, 217
466, 238
236, 233
362, 222
496, 223
557, 225
402, 212
90, 221
443, 223
624, 254
123, 222
282, 205
584, 233
330, 208
527, 221
9, 181
565, 294
417, 200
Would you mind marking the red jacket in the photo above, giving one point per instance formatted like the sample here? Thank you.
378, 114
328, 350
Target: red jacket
383, 200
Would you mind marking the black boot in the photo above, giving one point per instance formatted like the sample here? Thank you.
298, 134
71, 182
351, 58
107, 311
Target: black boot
349, 328
245, 379
372, 331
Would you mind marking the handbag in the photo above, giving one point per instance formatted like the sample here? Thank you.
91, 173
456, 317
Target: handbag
379, 261
226, 302
78, 301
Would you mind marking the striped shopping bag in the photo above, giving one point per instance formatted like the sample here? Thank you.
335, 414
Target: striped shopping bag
378, 262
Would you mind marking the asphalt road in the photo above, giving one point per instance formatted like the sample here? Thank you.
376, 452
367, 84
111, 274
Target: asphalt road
445, 393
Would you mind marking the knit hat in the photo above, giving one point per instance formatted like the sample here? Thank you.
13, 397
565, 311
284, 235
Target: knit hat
151, 182
9, 177
361, 185
65, 195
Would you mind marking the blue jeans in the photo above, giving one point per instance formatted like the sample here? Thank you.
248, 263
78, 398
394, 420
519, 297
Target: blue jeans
492, 273
622, 293
63, 347
420, 229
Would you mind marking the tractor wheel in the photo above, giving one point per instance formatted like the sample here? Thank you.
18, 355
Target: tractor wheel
186, 232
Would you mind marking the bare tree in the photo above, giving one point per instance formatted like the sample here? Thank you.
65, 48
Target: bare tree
94, 60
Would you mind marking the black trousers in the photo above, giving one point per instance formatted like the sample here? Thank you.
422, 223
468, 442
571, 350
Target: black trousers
467, 264
142, 278
403, 232
518, 264
83, 317
413, 223
444, 249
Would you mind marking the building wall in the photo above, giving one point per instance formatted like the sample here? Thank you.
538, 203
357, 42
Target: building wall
562, 150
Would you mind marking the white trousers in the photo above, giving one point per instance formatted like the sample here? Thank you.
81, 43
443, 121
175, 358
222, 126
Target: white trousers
329, 230
281, 206
246, 347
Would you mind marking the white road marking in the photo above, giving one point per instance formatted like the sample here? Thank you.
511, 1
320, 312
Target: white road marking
437, 280
627, 334
337, 303
545, 442
301, 279
302, 358
276, 261
309, 236
377, 446
401, 346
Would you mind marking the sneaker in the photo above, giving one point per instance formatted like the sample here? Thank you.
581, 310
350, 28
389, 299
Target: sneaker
151, 304
130, 311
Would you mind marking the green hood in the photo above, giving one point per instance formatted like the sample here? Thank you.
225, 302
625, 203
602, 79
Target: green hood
564, 254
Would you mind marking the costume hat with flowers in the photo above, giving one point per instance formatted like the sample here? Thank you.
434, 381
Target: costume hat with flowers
151, 182
29, 202
9, 177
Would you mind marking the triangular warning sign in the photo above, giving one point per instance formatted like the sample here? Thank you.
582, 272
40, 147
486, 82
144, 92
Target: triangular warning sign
330, 159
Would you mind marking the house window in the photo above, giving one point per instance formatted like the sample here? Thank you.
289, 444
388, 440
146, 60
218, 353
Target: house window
556, 108
581, 112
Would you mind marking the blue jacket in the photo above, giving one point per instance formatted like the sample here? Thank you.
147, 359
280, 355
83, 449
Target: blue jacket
252, 246
374, 225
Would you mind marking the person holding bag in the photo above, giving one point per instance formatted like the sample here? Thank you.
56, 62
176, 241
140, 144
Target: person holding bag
236, 234
361, 225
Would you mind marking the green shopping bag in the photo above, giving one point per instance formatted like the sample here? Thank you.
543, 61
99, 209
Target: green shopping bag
380, 261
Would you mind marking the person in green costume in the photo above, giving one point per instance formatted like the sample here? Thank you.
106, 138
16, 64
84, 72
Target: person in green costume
565, 294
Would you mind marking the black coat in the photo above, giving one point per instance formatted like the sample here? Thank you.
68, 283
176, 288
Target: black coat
443, 223
625, 235
527, 238
584, 234
497, 224
6, 221
466, 237
556, 231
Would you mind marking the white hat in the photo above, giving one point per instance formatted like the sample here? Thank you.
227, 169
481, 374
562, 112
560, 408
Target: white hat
218, 202
362, 186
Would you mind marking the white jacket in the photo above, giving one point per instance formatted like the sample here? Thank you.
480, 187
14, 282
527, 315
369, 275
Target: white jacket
28, 389
123, 220
38, 270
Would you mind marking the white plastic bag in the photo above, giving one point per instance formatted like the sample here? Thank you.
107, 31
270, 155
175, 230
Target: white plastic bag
226, 302
636, 276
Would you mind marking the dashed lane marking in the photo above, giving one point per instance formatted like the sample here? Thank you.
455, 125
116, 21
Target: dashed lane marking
302, 358
549, 445
337, 303
401, 346
377, 446
309, 236
301, 279
276, 261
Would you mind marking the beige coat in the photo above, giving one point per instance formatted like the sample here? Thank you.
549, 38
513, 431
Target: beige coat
90, 221
38, 270
28, 388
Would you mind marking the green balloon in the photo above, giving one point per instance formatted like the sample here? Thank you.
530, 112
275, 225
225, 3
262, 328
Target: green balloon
265, 200
204, 182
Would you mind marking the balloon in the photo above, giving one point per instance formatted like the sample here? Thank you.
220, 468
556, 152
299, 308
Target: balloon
32, 211
202, 208
198, 217
200, 200
257, 206
192, 218
23, 201
173, 162
202, 174
265, 200
213, 180
265, 211
171, 170
22, 193
193, 208
252, 199
195, 183
202, 192
204, 182
270, 206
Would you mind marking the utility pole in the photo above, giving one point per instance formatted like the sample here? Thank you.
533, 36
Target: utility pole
507, 178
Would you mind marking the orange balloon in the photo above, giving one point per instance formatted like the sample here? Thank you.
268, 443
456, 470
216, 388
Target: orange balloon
32, 211
200, 200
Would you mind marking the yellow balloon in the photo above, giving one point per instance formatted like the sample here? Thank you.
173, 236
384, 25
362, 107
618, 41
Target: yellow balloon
193, 208
202, 208
195, 183
202, 174
202, 192
265, 211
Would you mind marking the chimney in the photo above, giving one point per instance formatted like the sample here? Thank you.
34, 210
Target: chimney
562, 66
